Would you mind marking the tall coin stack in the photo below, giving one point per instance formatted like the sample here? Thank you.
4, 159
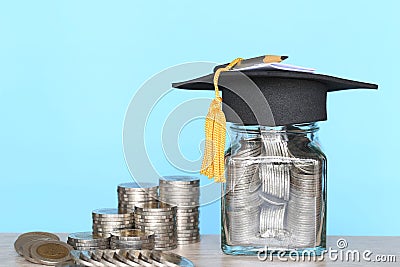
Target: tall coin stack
306, 200
132, 239
183, 192
106, 221
86, 241
242, 201
159, 218
305, 204
130, 194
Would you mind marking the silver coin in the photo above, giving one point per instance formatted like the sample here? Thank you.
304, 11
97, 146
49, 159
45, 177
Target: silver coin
183, 211
179, 180
155, 213
155, 207
137, 185
88, 244
183, 223
187, 228
192, 191
121, 255
164, 248
154, 218
165, 242
188, 236
182, 241
164, 235
76, 255
131, 234
84, 236
155, 223
112, 219
108, 212
187, 242
187, 233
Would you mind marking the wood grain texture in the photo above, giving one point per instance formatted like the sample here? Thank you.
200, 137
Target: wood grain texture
208, 252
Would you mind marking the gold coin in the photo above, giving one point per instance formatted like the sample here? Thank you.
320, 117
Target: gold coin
50, 235
50, 252
26, 238
26, 251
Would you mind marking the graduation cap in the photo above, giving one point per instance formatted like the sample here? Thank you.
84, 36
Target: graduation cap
261, 91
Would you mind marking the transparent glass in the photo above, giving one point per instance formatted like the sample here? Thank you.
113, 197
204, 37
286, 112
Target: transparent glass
274, 198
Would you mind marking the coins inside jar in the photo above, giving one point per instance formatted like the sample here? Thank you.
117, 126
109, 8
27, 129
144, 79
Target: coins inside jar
241, 201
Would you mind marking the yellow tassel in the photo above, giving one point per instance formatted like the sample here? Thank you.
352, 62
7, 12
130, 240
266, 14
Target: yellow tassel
213, 165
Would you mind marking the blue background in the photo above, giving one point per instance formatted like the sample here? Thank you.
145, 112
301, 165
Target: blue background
68, 70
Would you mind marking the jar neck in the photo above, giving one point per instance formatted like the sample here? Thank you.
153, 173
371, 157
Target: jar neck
303, 128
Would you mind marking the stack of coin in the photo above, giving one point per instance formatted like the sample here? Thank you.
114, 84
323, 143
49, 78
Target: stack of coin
275, 176
304, 207
107, 220
275, 179
183, 192
86, 241
42, 248
132, 239
242, 201
130, 194
306, 201
159, 218
272, 220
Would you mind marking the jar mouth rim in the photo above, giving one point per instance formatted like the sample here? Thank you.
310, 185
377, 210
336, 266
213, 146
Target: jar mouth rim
302, 128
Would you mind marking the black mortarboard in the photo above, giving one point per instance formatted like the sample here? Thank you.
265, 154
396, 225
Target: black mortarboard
256, 96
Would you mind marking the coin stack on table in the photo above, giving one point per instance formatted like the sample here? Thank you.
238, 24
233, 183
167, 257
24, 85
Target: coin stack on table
132, 239
130, 194
42, 248
183, 192
106, 221
86, 241
159, 218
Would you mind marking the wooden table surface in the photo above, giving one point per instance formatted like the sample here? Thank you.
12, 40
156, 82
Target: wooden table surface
208, 252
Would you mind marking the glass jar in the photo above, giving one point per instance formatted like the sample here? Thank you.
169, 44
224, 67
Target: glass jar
274, 198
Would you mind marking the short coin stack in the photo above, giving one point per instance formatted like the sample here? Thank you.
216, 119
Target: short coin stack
86, 241
159, 218
106, 221
132, 239
183, 192
130, 194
